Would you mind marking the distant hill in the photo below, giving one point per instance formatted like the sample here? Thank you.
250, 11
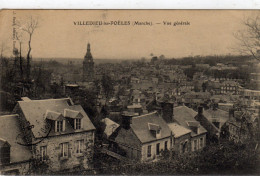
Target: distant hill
79, 61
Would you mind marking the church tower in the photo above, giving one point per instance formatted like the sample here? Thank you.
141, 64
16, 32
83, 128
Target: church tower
88, 66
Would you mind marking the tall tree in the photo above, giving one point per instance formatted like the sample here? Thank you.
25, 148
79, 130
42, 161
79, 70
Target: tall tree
249, 38
19, 38
29, 27
107, 86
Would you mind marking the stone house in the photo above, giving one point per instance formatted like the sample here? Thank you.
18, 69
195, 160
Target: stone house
185, 117
143, 137
181, 138
59, 132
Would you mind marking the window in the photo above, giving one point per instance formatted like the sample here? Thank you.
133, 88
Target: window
149, 150
59, 126
195, 145
201, 142
165, 145
64, 149
157, 149
77, 124
79, 146
43, 153
184, 147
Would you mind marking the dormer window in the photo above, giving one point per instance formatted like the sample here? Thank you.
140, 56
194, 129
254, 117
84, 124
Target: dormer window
58, 120
59, 126
74, 118
155, 130
194, 126
77, 124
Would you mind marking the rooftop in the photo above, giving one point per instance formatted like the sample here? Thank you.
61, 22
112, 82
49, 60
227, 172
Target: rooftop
10, 130
141, 128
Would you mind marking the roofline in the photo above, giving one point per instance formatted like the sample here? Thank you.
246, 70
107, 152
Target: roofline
68, 133
145, 114
9, 115
157, 139
182, 134
68, 98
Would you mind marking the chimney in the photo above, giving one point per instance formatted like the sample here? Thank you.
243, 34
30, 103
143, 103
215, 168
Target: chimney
231, 113
167, 111
127, 119
200, 110
215, 105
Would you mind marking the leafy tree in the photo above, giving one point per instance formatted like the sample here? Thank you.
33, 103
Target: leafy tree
107, 86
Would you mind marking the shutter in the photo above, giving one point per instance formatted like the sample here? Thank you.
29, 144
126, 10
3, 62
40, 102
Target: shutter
69, 149
56, 126
63, 125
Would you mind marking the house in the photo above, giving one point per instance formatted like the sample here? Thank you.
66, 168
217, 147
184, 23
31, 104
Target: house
241, 125
59, 132
213, 132
185, 117
229, 87
143, 137
217, 116
15, 158
181, 138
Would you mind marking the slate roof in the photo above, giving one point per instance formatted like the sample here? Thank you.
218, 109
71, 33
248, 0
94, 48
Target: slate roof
219, 114
9, 130
35, 111
72, 114
141, 129
183, 114
178, 130
51, 115
111, 126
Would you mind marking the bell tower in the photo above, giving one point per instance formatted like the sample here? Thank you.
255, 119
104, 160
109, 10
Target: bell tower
88, 66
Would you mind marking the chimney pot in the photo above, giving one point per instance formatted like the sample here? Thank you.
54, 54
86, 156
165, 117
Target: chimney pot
200, 110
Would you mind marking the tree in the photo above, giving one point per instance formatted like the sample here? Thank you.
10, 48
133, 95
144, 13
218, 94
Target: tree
249, 38
107, 86
19, 38
29, 28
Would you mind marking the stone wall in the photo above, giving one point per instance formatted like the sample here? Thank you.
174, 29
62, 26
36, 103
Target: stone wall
58, 163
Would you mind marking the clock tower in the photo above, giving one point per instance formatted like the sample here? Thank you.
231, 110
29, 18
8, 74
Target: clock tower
88, 66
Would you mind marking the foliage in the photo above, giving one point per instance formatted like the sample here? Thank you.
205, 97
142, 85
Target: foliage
39, 167
223, 158
107, 86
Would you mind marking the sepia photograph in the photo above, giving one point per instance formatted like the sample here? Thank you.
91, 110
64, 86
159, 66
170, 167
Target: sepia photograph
129, 92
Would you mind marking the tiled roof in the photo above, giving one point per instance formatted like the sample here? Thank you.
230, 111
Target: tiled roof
111, 126
72, 114
141, 129
51, 115
219, 114
35, 111
178, 130
10, 129
183, 114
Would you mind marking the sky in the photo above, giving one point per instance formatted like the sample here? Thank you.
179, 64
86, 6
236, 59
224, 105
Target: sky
210, 32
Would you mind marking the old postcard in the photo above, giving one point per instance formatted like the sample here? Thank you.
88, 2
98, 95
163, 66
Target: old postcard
129, 92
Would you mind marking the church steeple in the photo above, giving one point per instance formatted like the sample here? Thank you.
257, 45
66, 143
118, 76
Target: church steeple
88, 48
88, 56
88, 65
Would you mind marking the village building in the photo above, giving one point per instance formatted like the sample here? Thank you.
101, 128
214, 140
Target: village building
59, 132
143, 137
185, 117
15, 158
229, 87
